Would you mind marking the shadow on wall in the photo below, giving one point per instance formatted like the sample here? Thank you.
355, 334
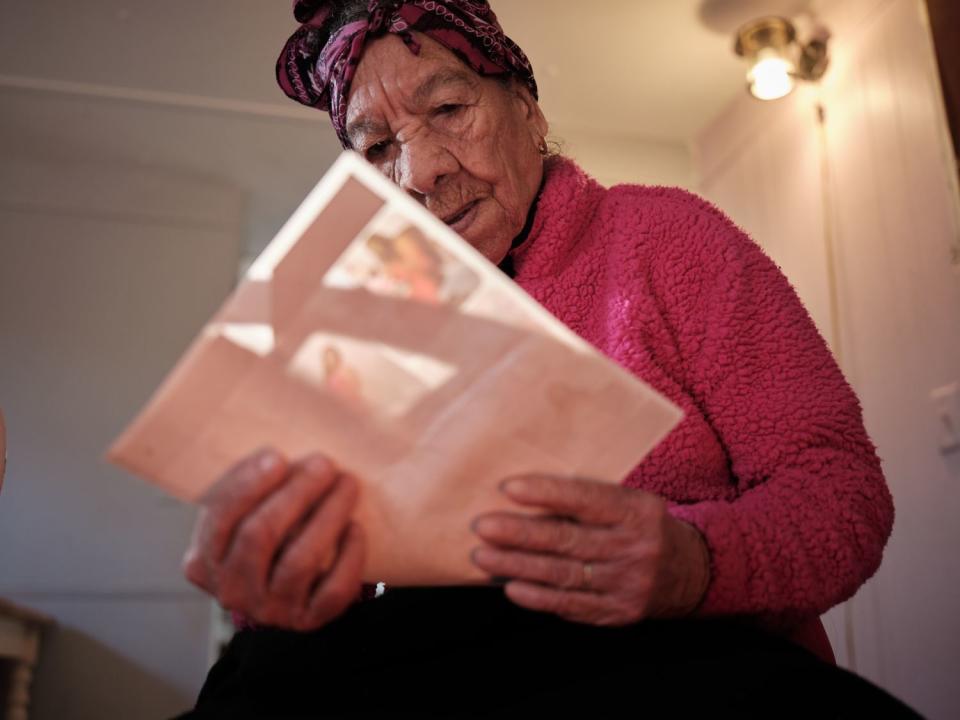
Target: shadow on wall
102, 684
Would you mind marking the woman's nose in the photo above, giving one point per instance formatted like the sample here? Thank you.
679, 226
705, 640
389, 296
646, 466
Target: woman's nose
423, 166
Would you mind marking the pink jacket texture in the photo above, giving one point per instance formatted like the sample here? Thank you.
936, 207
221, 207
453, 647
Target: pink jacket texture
771, 463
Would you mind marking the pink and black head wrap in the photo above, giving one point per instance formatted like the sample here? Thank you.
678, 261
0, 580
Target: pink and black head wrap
320, 59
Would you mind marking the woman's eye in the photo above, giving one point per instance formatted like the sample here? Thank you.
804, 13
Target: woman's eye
448, 109
377, 150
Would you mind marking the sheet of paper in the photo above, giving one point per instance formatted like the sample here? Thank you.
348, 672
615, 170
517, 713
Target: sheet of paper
369, 331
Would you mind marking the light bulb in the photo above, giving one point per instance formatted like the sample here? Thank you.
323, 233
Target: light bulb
771, 78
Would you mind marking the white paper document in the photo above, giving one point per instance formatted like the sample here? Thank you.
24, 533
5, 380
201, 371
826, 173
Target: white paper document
367, 330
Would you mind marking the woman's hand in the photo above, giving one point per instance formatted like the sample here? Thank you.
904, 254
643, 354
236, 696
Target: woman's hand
605, 554
274, 541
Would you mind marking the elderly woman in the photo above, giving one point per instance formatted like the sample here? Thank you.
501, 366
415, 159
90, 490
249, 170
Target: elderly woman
766, 505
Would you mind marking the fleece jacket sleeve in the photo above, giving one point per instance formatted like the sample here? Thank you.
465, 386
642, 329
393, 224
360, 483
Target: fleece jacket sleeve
813, 512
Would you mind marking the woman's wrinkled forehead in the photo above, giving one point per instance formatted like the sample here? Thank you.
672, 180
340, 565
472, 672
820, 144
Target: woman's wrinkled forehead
389, 75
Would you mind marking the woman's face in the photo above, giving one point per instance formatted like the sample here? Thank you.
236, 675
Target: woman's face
465, 146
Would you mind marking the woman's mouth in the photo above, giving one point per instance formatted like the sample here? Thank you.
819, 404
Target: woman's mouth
462, 218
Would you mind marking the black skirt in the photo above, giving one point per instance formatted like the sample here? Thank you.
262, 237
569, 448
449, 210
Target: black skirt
468, 652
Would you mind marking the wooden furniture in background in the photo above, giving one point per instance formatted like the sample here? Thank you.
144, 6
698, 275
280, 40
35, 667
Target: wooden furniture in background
20, 632
945, 26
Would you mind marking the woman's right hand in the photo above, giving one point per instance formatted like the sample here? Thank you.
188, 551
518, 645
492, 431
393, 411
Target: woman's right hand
275, 542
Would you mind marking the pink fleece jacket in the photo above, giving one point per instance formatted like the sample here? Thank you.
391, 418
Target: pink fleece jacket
771, 463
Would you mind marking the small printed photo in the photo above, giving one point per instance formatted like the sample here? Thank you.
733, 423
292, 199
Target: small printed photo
368, 378
396, 259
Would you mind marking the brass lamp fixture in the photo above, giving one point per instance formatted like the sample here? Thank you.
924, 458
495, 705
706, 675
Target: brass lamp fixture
777, 58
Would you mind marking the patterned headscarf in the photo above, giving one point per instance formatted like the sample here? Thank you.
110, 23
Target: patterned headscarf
318, 62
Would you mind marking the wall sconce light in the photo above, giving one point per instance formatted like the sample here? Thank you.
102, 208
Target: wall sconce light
777, 59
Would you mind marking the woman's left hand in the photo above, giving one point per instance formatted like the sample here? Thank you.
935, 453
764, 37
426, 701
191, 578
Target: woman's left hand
604, 554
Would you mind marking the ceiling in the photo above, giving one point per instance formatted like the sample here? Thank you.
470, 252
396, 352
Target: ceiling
645, 68
187, 86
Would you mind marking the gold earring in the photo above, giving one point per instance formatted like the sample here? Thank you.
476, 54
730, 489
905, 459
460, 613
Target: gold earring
543, 147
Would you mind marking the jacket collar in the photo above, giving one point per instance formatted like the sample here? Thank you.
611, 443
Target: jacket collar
562, 212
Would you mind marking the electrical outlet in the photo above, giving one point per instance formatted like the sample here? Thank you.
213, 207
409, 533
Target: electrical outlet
946, 402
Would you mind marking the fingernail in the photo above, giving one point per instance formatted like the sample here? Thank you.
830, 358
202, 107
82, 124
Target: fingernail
268, 460
511, 486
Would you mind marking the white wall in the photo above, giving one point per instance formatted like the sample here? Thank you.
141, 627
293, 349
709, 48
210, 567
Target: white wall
868, 237
613, 158
106, 273
141, 157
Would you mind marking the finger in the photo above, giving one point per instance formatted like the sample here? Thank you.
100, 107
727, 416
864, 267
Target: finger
546, 534
558, 572
260, 536
582, 607
234, 497
589, 501
223, 507
313, 551
342, 585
